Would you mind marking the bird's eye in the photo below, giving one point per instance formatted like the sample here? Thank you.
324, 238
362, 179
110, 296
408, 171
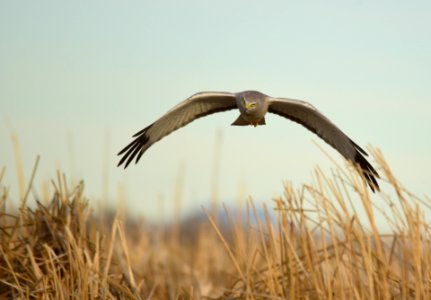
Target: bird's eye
243, 101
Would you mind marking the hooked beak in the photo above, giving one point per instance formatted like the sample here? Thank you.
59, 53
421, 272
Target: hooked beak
249, 105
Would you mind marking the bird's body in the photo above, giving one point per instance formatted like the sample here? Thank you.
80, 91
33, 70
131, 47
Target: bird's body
252, 106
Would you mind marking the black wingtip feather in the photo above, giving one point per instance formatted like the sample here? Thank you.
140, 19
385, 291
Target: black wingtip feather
140, 132
358, 148
134, 149
139, 156
132, 154
130, 148
370, 174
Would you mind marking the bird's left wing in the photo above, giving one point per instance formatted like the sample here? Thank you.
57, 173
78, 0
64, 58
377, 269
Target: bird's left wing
197, 106
307, 115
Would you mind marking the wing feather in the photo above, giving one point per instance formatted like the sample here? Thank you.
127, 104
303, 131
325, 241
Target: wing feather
307, 115
197, 106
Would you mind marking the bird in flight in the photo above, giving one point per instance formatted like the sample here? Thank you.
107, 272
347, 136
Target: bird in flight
252, 106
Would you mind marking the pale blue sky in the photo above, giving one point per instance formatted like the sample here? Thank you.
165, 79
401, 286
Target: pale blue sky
72, 71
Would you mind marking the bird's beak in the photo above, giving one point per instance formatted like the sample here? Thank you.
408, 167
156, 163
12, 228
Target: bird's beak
249, 105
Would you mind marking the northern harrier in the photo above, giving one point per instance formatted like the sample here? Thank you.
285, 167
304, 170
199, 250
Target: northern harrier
253, 106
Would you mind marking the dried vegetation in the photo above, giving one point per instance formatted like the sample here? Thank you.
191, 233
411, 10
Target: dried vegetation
331, 239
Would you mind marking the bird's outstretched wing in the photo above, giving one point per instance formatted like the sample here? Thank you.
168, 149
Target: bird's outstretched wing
307, 115
198, 105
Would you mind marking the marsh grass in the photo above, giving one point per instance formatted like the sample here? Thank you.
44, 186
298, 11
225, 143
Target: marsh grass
330, 239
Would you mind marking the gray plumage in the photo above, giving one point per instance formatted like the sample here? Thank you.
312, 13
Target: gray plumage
253, 106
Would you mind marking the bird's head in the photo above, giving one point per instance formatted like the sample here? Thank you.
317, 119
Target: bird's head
252, 102
249, 104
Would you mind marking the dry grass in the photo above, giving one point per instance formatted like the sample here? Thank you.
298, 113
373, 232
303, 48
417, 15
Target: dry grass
326, 242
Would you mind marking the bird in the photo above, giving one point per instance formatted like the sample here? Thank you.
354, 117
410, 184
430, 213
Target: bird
253, 106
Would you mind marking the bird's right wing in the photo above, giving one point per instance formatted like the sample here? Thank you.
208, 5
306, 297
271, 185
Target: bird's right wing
197, 106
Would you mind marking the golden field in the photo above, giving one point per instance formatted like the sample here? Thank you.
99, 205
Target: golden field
330, 239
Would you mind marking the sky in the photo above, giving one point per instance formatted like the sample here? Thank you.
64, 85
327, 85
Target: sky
78, 78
